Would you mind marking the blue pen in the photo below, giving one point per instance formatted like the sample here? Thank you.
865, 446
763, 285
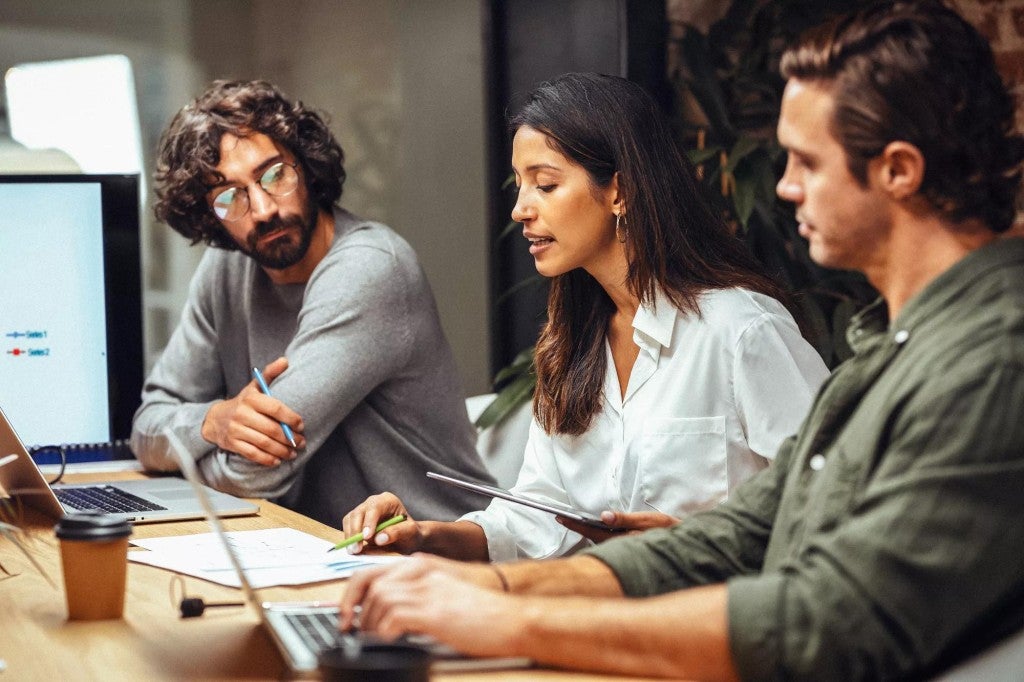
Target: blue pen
266, 391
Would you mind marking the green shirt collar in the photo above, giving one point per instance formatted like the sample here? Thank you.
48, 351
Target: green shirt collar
870, 323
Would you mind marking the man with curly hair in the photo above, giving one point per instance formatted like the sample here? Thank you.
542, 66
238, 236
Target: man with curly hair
334, 309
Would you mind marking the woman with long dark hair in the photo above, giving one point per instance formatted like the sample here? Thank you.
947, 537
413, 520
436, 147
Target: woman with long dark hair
668, 370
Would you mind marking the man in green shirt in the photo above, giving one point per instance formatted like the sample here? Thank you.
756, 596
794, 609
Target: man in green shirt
885, 542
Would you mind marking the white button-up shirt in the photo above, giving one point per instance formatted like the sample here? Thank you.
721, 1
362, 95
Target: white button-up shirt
708, 402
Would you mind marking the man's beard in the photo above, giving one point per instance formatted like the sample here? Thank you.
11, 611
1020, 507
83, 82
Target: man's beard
282, 252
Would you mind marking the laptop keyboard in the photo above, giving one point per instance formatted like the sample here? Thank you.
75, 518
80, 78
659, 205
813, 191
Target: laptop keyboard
318, 630
104, 498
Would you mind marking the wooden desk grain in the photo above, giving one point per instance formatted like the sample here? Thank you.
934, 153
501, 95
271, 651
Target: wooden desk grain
152, 642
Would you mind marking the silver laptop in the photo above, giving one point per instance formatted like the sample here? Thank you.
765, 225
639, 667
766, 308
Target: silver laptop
301, 630
153, 499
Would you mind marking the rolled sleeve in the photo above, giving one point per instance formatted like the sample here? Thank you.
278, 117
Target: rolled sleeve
515, 532
927, 551
754, 627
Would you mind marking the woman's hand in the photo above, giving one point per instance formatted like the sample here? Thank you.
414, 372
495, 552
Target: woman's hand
405, 537
622, 522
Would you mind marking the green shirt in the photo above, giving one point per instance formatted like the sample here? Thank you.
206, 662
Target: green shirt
888, 538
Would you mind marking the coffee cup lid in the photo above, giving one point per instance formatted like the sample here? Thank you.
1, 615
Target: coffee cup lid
93, 525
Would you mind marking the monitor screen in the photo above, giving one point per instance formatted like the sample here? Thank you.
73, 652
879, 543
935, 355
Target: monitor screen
71, 321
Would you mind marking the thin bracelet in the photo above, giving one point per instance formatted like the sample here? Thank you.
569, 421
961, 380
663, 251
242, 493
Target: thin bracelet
501, 578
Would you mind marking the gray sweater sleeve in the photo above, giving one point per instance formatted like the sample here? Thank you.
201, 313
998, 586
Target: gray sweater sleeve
186, 381
353, 334
370, 373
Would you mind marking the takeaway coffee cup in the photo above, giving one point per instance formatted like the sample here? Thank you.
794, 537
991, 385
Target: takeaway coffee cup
375, 663
94, 557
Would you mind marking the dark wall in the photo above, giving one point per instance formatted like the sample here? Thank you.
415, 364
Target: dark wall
529, 42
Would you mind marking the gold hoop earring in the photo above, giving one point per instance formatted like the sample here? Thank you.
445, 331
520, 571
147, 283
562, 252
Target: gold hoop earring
620, 228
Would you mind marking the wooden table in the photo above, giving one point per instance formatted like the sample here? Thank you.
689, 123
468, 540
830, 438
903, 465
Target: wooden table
152, 642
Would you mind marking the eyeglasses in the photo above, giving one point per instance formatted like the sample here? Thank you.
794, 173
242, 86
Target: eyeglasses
279, 180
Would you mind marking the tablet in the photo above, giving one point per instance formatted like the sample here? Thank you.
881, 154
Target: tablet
555, 508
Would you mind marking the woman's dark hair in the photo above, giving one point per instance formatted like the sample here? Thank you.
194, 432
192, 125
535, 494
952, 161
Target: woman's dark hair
675, 240
189, 153
917, 72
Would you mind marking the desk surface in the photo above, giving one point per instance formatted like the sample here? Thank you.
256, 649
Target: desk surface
151, 642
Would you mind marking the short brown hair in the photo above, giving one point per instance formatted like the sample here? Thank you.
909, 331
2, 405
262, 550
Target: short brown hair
189, 153
918, 72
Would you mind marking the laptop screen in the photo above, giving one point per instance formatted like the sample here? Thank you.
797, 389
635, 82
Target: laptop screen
71, 354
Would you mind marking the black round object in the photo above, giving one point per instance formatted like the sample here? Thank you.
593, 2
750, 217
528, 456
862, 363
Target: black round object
376, 663
93, 525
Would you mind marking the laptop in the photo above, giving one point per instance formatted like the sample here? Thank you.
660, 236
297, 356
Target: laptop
301, 630
153, 499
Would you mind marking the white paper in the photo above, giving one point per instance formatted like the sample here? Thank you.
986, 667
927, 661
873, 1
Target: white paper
272, 556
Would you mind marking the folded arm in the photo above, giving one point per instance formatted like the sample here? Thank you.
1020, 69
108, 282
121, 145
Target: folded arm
344, 346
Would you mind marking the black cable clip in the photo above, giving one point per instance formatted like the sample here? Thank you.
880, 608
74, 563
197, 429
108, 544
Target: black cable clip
192, 607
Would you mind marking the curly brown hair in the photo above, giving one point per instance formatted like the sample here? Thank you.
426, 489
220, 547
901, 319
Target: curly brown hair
918, 72
189, 153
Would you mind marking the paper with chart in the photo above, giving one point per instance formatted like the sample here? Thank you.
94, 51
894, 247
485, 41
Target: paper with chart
272, 556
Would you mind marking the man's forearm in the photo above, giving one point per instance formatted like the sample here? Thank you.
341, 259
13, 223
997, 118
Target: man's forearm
581, 576
681, 635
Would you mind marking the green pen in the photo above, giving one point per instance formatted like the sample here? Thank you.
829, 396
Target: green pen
358, 537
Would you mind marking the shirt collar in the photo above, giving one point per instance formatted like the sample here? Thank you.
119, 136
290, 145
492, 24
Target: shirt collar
948, 286
873, 321
655, 321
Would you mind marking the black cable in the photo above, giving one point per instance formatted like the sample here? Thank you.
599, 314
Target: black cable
192, 607
62, 451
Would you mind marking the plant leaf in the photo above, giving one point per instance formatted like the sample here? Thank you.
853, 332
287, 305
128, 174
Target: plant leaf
699, 156
704, 84
745, 192
744, 146
11, 533
532, 280
520, 364
507, 400
508, 229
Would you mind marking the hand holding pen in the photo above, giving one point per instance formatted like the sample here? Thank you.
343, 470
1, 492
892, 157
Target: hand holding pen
360, 537
251, 423
266, 391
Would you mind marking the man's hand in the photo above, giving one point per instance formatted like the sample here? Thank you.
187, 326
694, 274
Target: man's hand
249, 423
405, 537
627, 522
457, 603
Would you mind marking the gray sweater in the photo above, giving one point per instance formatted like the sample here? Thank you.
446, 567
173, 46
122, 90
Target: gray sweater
370, 373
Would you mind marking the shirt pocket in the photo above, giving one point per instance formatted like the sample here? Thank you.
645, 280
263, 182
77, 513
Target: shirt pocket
682, 464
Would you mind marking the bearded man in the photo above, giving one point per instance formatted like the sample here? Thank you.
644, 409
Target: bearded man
334, 309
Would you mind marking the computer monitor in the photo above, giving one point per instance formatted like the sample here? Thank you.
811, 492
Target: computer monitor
71, 358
